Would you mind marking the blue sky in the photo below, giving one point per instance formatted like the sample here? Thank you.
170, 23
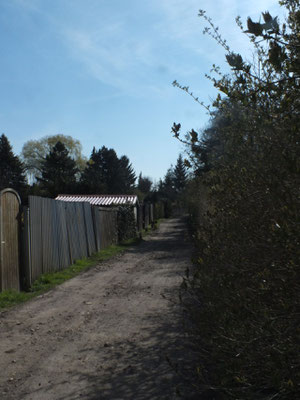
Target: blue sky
102, 71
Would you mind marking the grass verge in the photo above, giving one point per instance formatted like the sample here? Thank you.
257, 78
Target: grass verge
10, 298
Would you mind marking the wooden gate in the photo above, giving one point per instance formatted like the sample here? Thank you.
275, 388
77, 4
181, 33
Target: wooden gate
9, 239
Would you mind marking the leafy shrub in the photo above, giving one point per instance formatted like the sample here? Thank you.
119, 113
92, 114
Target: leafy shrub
126, 221
246, 227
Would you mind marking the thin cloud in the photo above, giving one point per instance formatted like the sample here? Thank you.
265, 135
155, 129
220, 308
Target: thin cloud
127, 59
181, 21
107, 57
33, 5
131, 58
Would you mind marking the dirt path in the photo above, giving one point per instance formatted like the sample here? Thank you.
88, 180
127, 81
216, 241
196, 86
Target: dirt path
104, 334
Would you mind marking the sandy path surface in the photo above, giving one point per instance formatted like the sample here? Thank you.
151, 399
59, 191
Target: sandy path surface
104, 334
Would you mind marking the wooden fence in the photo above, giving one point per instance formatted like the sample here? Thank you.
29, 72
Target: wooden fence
57, 233
105, 226
53, 235
147, 214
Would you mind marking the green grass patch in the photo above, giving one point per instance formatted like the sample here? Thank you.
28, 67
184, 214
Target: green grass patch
45, 282
10, 298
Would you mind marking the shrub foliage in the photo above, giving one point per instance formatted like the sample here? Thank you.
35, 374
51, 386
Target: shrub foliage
126, 223
245, 203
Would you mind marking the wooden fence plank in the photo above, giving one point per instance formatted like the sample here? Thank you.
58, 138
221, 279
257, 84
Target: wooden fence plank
81, 230
54, 241
35, 214
102, 229
97, 229
47, 235
140, 217
62, 234
26, 250
52, 238
72, 232
89, 228
146, 216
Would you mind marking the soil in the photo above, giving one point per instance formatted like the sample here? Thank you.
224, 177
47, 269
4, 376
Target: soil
109, 333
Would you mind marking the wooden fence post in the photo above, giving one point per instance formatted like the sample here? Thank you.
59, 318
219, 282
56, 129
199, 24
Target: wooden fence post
9, 239
26, 277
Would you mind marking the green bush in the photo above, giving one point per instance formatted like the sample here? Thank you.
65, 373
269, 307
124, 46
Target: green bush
127, 228
246, 223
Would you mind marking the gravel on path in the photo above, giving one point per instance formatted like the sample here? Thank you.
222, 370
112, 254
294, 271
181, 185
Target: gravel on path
105, 334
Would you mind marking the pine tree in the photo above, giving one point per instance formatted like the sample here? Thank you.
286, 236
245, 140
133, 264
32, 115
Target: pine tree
58, 172
11, 168
92, 179
128, 176
144, 184
107, 174
169, 185
180, 175
111, 171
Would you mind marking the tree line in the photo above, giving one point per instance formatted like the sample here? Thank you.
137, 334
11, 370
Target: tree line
244, 202
55, 164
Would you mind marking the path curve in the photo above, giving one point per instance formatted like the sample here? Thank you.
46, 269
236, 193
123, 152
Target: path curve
104, 334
